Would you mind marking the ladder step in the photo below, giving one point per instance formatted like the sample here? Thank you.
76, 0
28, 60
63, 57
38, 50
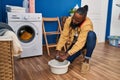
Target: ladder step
51, 33
52, 45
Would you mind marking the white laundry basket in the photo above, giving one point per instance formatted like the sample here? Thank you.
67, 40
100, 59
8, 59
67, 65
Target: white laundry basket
58, 67
114, 40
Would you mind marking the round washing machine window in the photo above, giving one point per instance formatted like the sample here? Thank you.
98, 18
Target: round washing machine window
26, 33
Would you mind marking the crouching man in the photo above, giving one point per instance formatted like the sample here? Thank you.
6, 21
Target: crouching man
78, 34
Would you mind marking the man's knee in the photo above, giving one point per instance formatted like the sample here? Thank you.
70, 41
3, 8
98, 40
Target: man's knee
91, 34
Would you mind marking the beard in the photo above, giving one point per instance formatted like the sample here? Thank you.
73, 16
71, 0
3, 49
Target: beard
73, 25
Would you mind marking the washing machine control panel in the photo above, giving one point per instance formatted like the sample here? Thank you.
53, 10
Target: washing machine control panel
24, 16
29, 17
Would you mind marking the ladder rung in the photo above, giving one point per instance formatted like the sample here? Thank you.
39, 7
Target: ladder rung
52, 45
49, 33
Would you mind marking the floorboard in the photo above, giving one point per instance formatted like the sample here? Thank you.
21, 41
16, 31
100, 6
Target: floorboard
104, 65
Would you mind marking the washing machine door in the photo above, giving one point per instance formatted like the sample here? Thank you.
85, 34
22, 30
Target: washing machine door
26, 33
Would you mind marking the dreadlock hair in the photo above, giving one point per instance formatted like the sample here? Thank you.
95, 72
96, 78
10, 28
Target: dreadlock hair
82, 10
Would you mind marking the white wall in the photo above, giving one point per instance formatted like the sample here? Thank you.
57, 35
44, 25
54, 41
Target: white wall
115, 19
98, 14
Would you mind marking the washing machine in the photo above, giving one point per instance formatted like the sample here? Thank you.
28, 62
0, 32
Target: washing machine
28, 28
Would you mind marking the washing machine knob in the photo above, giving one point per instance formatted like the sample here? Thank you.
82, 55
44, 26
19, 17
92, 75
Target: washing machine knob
25, 18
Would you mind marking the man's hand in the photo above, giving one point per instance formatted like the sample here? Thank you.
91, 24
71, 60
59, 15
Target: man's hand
61, 56
64, 57
57, 54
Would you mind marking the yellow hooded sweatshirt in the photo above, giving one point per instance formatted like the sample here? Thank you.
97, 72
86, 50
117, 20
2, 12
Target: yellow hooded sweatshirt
68, 34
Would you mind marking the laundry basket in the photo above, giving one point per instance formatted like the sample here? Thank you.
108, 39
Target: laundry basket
6, 60
114, 40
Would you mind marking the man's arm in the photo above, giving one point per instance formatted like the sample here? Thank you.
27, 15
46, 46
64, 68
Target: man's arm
64, 35
81, 39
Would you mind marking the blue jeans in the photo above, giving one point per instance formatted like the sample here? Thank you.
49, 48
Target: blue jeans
89, 46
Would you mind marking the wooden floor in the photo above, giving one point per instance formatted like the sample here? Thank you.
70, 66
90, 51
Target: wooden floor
105, 65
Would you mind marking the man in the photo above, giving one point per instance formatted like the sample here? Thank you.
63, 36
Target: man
78, 34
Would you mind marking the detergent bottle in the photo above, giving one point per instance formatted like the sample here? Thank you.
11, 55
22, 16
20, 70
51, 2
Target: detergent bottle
26, 5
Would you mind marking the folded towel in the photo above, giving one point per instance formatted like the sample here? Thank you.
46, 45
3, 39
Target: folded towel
2, 31
5, 26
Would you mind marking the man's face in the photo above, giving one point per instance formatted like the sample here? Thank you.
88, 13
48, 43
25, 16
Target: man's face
77, 19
